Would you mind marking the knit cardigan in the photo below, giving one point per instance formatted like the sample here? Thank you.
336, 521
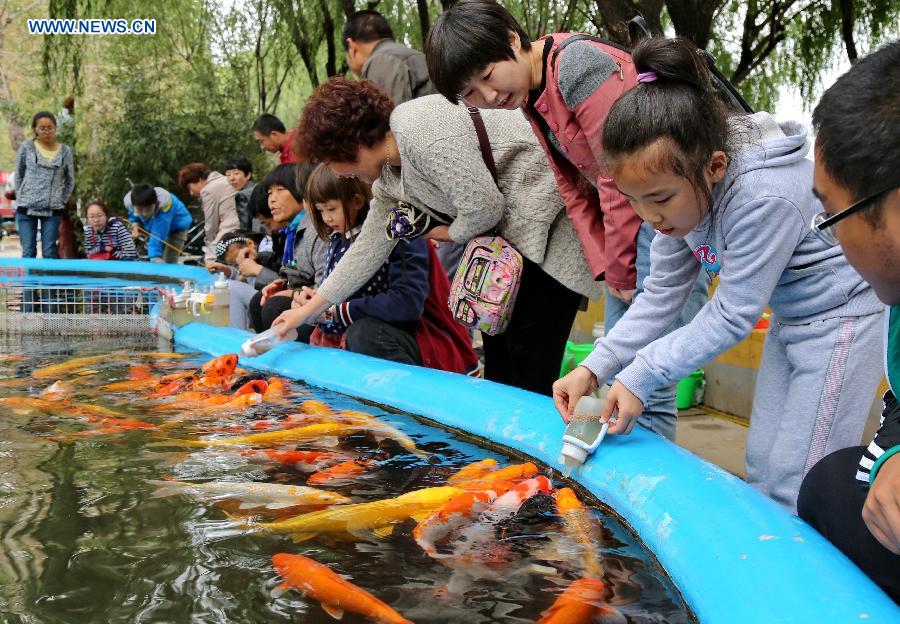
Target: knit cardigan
43, 186
443, 172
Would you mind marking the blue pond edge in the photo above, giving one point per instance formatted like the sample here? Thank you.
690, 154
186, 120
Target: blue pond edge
735, 555
116, 267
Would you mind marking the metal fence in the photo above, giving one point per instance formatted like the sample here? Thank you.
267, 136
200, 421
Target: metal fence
82, 309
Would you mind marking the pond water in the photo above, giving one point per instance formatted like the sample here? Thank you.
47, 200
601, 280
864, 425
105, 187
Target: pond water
88, 534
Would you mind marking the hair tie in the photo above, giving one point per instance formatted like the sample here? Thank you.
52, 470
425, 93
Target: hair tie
649, 76
223, 245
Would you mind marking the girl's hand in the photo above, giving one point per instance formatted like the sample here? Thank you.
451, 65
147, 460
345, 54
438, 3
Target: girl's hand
218, 267
628, 408
288, 320
439, 233
624, 295
247, 264
270, 290
568, 389
881, 511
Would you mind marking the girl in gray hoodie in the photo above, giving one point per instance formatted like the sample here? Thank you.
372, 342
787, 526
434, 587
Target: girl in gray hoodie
733, 198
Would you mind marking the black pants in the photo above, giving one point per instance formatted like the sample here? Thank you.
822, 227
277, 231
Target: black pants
371, 336
528, 354
262, 317
831, 500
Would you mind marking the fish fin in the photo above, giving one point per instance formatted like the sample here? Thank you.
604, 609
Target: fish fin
333, 611
383, 531
302, 537
280, 589
421, 517
329, 441
281, 505
248, 505
165, 488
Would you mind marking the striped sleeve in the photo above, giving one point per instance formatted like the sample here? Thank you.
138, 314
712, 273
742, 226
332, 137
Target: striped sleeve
90, 240
125, 249
887, 436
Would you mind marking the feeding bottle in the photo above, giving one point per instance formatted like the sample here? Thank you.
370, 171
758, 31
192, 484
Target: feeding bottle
221, 306
261, 343
585, 433
181, 313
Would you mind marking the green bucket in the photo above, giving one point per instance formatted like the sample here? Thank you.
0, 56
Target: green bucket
687, 390
574, 355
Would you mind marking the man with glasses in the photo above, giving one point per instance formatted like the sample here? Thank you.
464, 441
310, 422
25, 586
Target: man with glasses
852, 496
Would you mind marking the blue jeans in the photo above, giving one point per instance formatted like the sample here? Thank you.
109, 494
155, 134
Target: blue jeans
660, 413
28, 227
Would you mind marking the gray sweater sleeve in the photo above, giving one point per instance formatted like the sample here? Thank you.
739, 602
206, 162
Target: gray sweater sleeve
366, 255
456, 166
760, 238
20, 168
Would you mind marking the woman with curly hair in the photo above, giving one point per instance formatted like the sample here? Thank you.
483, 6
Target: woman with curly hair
425, 157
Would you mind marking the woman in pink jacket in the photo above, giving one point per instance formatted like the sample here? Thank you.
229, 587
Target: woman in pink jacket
565, 83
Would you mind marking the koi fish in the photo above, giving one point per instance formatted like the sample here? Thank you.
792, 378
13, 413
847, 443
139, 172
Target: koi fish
58, 391
516, 472
452, 516
12, 358
252, 495
130, 385
14, 383
220, 367
57, 370
324, 434
304, 461
580, 603
578, 524
335, 594
380, 429
93, 412
255, 386
363, 519
139, 372
276, 389
25, 405
110, 427
346, 471
316, 408
507, 504
472, 471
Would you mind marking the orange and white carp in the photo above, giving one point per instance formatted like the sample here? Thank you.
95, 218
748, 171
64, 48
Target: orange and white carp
581, 603
345, 471
335, 594
304, 461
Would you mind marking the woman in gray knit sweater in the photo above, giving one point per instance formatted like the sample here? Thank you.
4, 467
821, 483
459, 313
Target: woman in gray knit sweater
45, 178
426, 153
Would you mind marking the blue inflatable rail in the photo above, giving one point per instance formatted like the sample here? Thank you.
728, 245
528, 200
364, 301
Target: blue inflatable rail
736, 556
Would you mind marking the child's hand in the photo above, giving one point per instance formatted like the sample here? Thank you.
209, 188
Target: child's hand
623, 295
628, 408
881, 511
302, 296
271, 289
218, 267
246, 262
568, 389
439, 233
135, 232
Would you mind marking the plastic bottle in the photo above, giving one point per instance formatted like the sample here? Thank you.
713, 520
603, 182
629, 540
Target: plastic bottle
585, 433
201, 306
261, 343
181, 313
221, 306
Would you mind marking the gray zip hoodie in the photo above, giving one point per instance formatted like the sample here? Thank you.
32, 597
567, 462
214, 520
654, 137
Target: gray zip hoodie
757, 237
43, 186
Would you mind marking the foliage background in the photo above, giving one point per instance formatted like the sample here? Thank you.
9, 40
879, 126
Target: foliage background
145, 105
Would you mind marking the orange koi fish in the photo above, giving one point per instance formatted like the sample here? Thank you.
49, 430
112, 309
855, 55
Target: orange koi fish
12, 358
276, 389
56, 370
138, 372
336, 595
578, 523
346, 471
221, 367
580, 603
509, 503
516, 472
304, 461
94, 412
472, 471
254, 386
58, 391
130, 385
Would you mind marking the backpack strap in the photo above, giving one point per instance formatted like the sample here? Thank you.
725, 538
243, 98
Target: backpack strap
484, 142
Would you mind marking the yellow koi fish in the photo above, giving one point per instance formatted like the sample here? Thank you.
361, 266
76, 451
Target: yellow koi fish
364, 519
324, 434
57, 370
473, 471
579, 525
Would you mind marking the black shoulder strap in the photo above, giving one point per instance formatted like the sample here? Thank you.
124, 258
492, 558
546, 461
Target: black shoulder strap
484, 142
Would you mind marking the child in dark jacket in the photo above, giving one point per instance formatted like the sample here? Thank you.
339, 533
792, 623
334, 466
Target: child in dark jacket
390, 316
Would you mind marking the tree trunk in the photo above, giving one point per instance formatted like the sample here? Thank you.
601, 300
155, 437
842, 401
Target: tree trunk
694, 18
848, 20
328, 33
614, 16
424, 23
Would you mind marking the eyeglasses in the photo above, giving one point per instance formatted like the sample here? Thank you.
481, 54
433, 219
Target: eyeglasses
45, 129
823, 223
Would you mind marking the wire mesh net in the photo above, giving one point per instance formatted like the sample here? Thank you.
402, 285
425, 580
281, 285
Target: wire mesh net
37, 309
